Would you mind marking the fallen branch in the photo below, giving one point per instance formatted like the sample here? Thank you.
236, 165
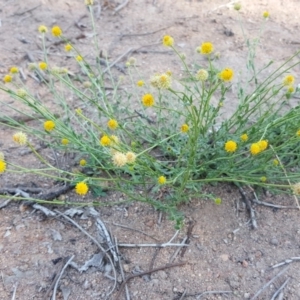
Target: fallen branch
146, 273
249, 208
121, 6
207, 293
272, 205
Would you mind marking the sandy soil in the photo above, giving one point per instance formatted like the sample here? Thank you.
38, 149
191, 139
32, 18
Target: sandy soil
224, 253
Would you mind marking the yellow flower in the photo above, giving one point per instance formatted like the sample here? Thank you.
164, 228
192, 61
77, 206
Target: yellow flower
140, 83
68, 47
1, 156
291, 89
78, 58
288, 80
169, 73
49, 125
119, 159
266, 14
275, 162
202, 75
255, 148
230, 146
226, 74
206, 48
89, 2
82, 162
7, 78
78, 111
131, 157
112, 124
43, 29
237, 6
164, 81
105, 141
87, 84
56, 31
65, 141
263, 179
263, 144
218, 201
14, 70
132, 61
184, 128
20, 138
296, 188
148, 100
81, 188
161, 180
244, 137
221, 104
21, 93
43, 65
2, 166
168, 41
298, 132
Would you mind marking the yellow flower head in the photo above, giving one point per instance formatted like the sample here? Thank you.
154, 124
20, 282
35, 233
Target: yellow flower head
291, 89
162, 180
230, 146
119, 159
43, 29
218, 201
298, 132
68, 47
14, 70
263, 179
131, 157
2, 166
78, 111
20, 138
82, 162
49, 125
266, 14
244, 137
237, 6
65, 142
7, 78
132, 61
275, 162
89, 2
169, 73
206, 48
168, 41
2, 156
43, 65
140, 83
263, 144
112, 124
288, 80
56, 31
226, 74
184, 128
81, 188
296, 188
164, 81
78, 58
202, 75
105, 141
21, 93
148, 100
255, 148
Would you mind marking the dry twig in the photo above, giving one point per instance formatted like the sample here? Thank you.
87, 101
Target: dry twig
146, 273
121, 6
60, 275
280, 289
285, 262
268, 283
249, 207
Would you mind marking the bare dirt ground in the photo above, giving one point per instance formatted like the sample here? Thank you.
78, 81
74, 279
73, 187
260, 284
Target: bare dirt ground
224, 253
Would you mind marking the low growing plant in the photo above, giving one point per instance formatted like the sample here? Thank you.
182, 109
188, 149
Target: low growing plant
166, 138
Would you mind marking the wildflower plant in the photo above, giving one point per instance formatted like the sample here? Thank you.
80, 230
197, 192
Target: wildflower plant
187, 145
